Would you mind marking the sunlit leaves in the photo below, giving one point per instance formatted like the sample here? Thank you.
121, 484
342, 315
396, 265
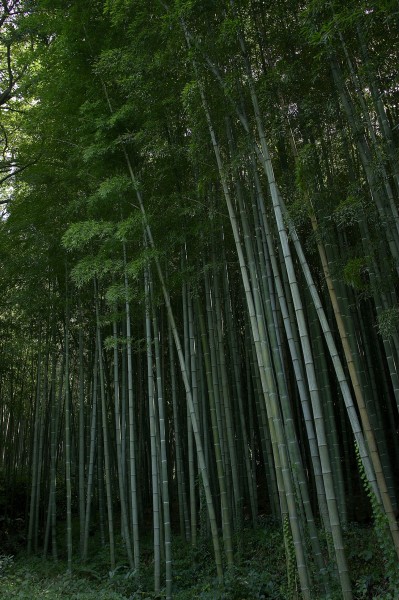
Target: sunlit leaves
131, 227
388, 322
82, 233
98, 266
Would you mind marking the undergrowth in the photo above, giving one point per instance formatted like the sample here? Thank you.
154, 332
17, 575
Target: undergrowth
260, 572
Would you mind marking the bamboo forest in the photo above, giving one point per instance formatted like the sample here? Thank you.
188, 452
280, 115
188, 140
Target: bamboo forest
199, 319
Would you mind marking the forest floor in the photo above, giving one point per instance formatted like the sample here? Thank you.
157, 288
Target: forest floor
260, 572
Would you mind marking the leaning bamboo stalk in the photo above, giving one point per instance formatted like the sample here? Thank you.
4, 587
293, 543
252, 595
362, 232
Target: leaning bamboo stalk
264, 371
315, 400
367, 429
266, 322
183, 368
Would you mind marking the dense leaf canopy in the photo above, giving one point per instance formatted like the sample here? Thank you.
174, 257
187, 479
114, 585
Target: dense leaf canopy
199, 258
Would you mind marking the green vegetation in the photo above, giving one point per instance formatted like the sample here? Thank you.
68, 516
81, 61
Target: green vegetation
259, 572
199, 259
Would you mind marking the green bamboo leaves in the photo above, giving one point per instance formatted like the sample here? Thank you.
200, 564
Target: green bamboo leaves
221, 180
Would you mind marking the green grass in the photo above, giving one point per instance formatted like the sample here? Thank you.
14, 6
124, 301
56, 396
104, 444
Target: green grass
259, 572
